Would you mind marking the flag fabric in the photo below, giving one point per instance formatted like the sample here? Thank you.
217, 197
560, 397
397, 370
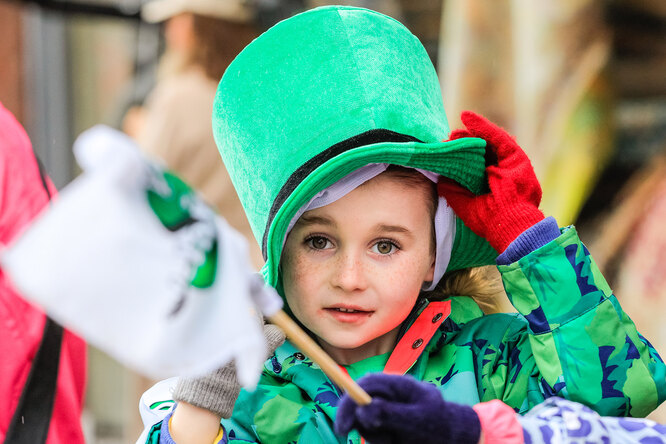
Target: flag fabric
134, 261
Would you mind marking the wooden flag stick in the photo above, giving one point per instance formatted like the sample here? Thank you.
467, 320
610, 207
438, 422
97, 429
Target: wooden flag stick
314, 352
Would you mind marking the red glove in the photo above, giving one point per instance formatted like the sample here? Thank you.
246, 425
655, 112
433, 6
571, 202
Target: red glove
512, 205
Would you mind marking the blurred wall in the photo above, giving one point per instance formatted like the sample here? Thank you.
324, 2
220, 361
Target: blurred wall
11, 50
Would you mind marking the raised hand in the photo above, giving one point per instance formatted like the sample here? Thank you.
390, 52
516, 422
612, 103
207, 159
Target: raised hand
512, 204
217, 391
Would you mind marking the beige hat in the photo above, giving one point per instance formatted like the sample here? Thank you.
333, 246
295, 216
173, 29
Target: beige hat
232, 10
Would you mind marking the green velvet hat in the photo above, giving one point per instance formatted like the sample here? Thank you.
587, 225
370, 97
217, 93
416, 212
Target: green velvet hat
322, 94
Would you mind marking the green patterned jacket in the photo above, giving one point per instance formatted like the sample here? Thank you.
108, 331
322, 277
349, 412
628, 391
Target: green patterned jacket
571, 339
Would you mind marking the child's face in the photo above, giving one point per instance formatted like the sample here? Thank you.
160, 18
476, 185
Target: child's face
352, 270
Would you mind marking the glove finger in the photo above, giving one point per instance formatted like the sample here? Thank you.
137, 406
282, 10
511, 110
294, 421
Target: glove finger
527, 184
416, 420
365, 419
479, 126
392, 415
345, 417
520, 184
500, 182
454, 192
376, 426
465, 204
514, 159
379, 386
370, 416
274, 337
499, 140
393, 388
459, 134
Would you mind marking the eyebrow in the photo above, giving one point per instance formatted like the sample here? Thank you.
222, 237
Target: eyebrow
315, 220
392, 229
306, 220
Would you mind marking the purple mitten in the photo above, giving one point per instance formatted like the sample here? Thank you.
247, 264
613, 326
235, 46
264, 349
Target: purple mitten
406, 410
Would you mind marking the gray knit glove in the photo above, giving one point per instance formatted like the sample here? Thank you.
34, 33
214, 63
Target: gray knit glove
217, 391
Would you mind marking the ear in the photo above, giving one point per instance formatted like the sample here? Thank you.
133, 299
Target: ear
430, 276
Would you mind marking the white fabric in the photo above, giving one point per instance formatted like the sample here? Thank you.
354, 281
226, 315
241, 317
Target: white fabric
100, 262
445, 233
445, 221
155, 404
339, 189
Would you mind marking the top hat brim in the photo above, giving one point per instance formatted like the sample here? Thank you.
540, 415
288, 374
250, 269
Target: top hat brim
461, 160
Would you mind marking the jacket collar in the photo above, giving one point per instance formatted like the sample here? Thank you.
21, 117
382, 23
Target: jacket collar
424, 327
415, 340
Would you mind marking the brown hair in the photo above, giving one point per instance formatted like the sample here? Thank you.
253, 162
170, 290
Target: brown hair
218, 42
483, 284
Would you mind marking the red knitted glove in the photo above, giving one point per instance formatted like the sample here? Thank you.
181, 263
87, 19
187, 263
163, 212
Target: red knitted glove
512, 205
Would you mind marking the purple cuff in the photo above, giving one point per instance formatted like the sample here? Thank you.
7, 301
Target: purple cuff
530, 240
165, 435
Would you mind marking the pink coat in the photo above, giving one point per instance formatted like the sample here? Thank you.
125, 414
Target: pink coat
22, 197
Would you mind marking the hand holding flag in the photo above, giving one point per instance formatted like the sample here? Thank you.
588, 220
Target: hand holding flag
134, 261
129, 257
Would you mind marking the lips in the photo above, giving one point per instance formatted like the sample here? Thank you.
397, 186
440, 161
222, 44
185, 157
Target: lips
347, 310
348, 314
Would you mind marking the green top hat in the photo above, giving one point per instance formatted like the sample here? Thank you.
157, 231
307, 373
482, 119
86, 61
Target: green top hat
322, 94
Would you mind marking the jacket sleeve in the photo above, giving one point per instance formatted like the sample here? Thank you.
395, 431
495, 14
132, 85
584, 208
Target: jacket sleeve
585, 347
160, 434
562, 421
559, 420
156, 407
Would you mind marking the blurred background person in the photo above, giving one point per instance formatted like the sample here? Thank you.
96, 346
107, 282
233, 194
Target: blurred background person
174, 124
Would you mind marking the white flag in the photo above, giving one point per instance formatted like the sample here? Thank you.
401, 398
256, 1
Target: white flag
131, 259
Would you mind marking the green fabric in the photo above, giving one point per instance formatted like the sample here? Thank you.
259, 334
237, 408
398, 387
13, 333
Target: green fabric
362, 368
588, 351
570, 339
321, 78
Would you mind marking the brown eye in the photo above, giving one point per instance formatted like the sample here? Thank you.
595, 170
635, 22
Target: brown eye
318, 242
384, 247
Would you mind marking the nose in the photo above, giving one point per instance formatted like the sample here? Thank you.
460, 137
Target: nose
349, 273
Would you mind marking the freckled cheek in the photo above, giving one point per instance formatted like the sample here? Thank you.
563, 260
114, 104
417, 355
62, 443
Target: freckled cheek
396, 308
301, 272
302, 282
408, 275
401, 286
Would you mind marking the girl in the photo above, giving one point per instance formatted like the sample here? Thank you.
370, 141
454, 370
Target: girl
331, 126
